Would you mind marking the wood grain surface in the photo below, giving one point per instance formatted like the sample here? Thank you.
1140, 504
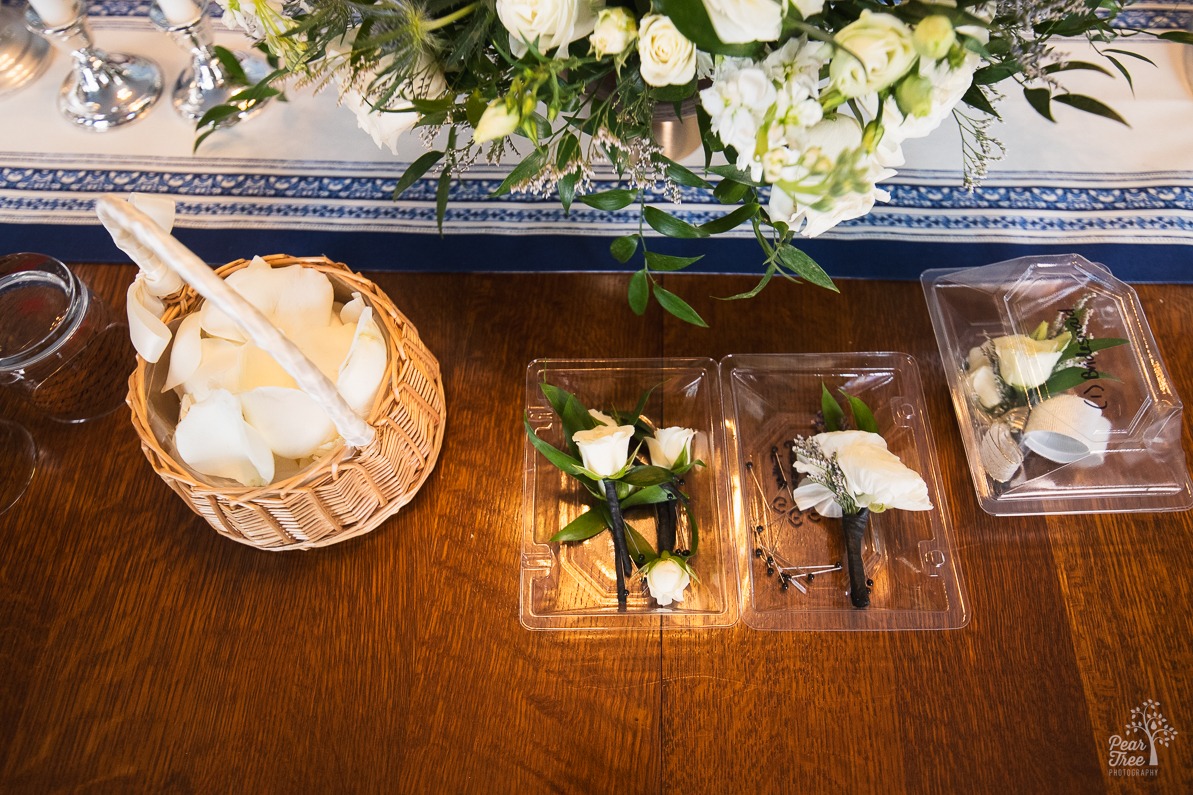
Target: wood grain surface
140, 652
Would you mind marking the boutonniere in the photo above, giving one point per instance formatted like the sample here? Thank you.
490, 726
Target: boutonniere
849, 474
626, 467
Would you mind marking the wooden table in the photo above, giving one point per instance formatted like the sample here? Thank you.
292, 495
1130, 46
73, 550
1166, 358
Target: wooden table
141, 652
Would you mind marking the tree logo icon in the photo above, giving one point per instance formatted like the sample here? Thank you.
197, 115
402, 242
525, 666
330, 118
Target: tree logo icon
1145, 732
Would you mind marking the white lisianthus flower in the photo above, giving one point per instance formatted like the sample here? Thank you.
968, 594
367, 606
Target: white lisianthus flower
387, 125
616, 29
605, 449
668, 444
1026, 363
668, 57
553, 24
743, 21
496, 122
737, 103
667, 577
874, 476
875, 51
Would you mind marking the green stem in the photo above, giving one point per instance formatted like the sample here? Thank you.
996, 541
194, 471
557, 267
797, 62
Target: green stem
453, 16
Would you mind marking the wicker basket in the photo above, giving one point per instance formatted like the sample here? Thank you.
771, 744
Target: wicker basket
346, 493
374, 470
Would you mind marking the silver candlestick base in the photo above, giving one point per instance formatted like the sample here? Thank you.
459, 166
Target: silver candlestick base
23, 56
104, 90
205, 84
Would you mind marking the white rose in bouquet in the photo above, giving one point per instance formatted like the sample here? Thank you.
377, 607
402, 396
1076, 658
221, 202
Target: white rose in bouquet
615, 31
553, 24
387, 125
743, 21
605, 449
668, 57
875, 51
874, 476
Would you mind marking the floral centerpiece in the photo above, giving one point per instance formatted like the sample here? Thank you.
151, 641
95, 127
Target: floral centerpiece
803, 104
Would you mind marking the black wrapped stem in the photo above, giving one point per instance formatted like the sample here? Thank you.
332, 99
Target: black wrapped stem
854, 527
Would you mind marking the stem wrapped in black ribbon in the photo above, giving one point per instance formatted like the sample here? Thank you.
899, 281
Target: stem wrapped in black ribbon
666, 515
621, 555
854, 527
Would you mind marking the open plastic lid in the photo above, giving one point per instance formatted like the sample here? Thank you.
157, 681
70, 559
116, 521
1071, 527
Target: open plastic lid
1062, 399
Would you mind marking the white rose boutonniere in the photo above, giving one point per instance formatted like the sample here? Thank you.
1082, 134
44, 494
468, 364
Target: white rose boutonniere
848, 474
667, 577
670, 447
668, 58
605, 449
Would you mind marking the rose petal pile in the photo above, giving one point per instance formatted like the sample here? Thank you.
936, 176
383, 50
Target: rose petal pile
242, 416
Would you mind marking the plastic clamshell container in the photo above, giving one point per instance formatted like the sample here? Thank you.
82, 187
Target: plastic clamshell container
909, 555
1103, 444
573, 585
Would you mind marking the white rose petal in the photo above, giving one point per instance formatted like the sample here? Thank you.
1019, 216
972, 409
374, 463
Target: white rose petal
668, 57
668, 444
258, 368
290, 421
605, 449
363, 369
187, 352
602, 418
807, 8
986, 387
220, 367
213, 439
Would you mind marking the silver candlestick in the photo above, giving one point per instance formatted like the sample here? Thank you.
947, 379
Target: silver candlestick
205, 84
23, 56
104, 90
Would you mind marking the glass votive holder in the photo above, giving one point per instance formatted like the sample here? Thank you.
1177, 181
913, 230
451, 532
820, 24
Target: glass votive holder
59, 346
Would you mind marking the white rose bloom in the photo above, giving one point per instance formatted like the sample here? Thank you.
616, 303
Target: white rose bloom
605, 449
667, 578
386, 126
668, 57
1027, 363
554, 24
874, 476
876, 50
743, 21
615, 31
667, 444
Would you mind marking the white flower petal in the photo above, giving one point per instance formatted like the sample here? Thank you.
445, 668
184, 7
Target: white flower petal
219, 368
291, 422
149, 334
259, 369
362, 371
186, 353
214, 440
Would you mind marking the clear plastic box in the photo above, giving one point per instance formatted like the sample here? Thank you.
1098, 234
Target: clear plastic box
572, 585
908, 555
767, 401
1105, 438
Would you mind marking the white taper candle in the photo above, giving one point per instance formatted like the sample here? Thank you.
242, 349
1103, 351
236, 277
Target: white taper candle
55, 13
179, 12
